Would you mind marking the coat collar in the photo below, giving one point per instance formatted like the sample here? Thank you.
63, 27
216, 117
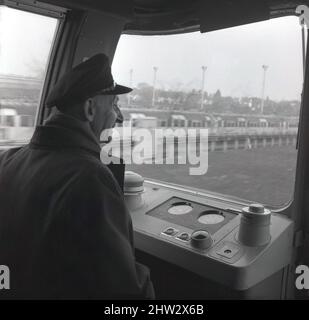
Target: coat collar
63, 131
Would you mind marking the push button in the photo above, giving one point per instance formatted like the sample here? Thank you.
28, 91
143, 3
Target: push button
170, 231
184, 236
229, 250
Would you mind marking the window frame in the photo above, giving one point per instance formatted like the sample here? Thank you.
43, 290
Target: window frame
284, 209
45, 10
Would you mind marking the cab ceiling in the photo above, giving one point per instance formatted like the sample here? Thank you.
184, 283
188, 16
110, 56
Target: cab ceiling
172, 16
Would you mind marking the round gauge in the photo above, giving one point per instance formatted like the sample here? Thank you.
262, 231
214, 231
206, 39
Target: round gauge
180, 208
211, 217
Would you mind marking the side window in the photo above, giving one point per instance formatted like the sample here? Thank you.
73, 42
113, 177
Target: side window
242, 84
25, 43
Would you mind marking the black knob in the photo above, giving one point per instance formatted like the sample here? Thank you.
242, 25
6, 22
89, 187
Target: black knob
201, 239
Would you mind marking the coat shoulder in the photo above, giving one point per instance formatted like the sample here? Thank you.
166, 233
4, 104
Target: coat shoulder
8, 154
94, 169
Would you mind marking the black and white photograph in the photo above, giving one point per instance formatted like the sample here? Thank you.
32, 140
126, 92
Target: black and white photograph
154, 152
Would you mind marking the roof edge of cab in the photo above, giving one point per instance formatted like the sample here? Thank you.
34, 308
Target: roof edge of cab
158, 17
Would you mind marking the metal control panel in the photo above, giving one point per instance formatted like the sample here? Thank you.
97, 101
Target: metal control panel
200, 234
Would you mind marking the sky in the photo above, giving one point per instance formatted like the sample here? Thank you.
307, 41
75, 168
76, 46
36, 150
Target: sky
233, 57
25, 42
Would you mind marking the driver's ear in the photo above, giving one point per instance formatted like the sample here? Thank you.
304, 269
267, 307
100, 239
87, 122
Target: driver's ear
89, 109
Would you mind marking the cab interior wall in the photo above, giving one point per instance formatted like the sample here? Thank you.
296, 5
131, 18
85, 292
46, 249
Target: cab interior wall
99, 34
83, 35
62, 55
301, 203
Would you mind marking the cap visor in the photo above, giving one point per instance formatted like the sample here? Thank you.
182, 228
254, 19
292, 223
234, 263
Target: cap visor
119, 89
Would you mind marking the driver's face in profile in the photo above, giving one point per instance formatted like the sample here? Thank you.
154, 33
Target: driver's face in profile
107, 113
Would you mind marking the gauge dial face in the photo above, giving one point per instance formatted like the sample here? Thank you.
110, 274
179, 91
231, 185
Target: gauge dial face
211, 218
181, 208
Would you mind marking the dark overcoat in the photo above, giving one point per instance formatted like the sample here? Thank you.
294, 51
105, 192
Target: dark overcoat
65, 231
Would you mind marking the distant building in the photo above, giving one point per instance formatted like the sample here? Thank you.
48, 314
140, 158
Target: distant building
13, 86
